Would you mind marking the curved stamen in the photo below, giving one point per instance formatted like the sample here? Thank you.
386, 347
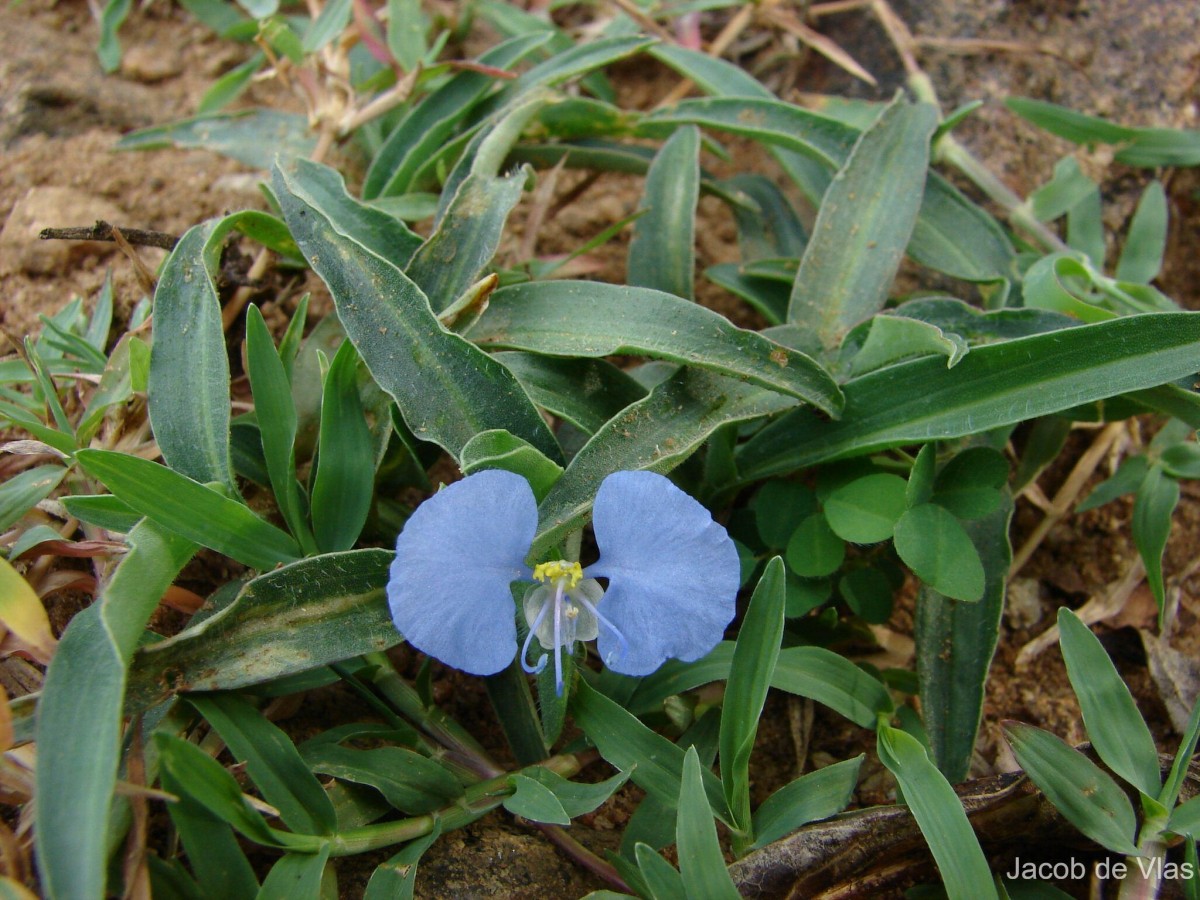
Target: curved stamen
558, 676
541, 663
624, 648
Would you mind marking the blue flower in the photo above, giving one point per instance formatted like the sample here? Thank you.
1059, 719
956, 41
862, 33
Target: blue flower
672, 573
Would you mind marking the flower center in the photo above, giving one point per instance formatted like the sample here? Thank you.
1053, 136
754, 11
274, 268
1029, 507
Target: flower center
560, 611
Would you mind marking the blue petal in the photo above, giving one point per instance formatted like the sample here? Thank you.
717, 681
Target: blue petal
673, 573
455, 558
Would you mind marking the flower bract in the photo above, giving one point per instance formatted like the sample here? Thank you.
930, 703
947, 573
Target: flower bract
672, 572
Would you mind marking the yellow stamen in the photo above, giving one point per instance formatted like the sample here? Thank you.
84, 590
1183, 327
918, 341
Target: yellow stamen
553, 571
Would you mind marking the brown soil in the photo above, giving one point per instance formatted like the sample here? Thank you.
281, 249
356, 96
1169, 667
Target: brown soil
1135, 62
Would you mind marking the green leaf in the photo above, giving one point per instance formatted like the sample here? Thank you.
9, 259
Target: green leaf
220, 866
254, 137
1061, 193
448, 390
940, 552
657, 434
382, 234
1185, 819
1085, 228
22, 492
344, 481
654, 763
969, 485
426, 127
1088, 798
500, 450
79, 714
314, 612
471, 221
1150, 147
955, 644
108, 49
864, 224
412, 783
535, 801
765, 295
1114, 725
868, 592
189, 368
1155, 501
276, 417
994, 385
272, 762
1128, 477
104, 510
396, 879
832, 681
1182, 460
192, 510
817, 795
230, 86
814, 550
895, 338
590, 319
585, 392
754, 658
940, 815
1141, 257
866, 510
577, 798
662, 253
296, 875
701, 863
779, 507
662, 878
767, 120
208, 783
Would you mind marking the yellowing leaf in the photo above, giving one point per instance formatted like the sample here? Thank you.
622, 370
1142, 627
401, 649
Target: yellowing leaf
22, 613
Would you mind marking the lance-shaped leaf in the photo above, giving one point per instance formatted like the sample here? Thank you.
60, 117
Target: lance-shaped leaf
79, 715
312, 613
994, 385
255, 137
470, 227
955, 645
864, 224
656, 433
426, 127
576, 318
662, 253
447, 389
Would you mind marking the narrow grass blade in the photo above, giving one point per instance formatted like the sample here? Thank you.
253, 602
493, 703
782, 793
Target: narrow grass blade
276, 416
662, 253
833, 681
344, 481
993, 385
255, 137
448, 390
654, 763
864, 224
753, 665
193, 510
425, 128
701, 862
79, 714
1142, 255
272, 762
1114, 725
573, 318
940, 815
953, 680
295, 876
